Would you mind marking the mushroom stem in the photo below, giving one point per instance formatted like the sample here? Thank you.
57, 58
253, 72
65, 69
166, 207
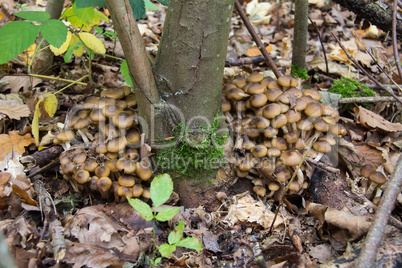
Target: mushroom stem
84, 136
371, 189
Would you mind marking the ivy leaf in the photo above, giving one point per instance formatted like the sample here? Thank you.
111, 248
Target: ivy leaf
175, 236
167, 213
191, 243
39, 16
143, 208
161, 189
165, 249
16, 37
54, 32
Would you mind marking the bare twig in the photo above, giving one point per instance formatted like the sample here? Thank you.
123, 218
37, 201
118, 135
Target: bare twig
244, 61
322, 45
322, 166
366, 99
373, 86
394, 40
256, 39
374, 237
389, 91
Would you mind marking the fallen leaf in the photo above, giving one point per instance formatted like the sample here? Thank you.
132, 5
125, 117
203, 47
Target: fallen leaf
372, 120
259, 12
254, 51
14, 110
13, 141
18, 82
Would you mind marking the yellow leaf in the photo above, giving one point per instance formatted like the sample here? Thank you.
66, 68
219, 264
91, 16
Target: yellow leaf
14, 141
57, 51
35, 122
92, 42
79, 51
27, 54
50, 104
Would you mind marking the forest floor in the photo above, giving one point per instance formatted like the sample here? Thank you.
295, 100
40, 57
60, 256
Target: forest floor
45, 221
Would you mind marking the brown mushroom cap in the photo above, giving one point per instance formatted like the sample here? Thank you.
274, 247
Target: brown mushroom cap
327, 109
255, 77
133, 136
313, 109
271, 110
378, 178
291, 137
367, 169
293, 116
338, 129
126, 180
116, 144
66, 135
279, 121
273, 152
144, 170
294, 186
114, 93
295, 91
123, 119
322, 146
273, 186
258, 100
89, 102
82, 176
96, 115
101, 148
104, 184
226, 106
315, 94
287, 81
282, 174
256, 88
261, 122
79, 158
328, 139
270, 132
125, 191
82, 123
137, 190
239, 82
279, 143
102, 171
235, 94
131, 100
272, 94
300, 105
146, 193
90, 165
291, 158
259, 151
126, 165
260, 190
110, 110
321, 126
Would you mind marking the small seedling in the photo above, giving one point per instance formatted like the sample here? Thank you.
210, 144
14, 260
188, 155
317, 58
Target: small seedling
161, 189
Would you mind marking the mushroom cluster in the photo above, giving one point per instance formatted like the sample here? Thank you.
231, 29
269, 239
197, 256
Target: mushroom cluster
274, 123
376, 180
109, 162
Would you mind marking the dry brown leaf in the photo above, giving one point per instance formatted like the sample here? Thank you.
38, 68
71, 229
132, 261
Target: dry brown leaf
18, 82
14, 110
14, 141
374, 121
248, 210
254, 51
4, 178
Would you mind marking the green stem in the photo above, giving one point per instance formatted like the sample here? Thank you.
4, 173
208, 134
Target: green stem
60, 79
73, 83
34, 55
91, 55
154, 238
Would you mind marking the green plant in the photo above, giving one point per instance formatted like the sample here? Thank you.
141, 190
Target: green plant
299, 72
161, 189
193, 154
350, 88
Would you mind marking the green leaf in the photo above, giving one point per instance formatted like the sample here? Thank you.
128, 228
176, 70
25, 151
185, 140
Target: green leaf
138, 7
157, 261
167, 213
149, 5
85, 14
39, 16
126, 75
175, 236
68, 55
16, 36
161, 189
143, 208
101, 15
164, 2
54, 32
165, 249
191, 243
90, 3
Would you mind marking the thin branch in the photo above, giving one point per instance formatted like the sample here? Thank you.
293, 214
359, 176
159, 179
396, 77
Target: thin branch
375, 236
366, 99
256, 39
323, 166
394, 40
244, 61
364, 71
322, 45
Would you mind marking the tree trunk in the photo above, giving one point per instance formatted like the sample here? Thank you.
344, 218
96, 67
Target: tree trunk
191, 58
300, 33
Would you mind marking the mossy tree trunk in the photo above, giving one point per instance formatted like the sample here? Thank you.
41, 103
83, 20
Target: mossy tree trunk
184, 85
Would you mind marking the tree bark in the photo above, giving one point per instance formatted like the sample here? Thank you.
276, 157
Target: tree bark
380, 16
300, 33
191, 58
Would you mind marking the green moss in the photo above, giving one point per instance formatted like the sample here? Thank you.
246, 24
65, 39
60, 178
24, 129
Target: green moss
193, 154
350, 88
299, 72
